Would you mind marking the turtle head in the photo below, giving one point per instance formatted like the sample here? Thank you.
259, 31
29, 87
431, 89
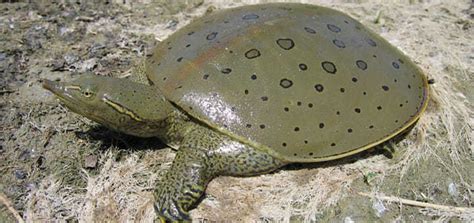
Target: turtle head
119, 104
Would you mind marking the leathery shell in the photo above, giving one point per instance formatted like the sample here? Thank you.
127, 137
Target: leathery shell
302, 82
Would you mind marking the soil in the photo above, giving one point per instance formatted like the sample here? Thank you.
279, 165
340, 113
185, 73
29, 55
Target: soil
58, 166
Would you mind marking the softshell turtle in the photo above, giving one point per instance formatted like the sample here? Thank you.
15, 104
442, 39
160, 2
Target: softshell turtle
246, 90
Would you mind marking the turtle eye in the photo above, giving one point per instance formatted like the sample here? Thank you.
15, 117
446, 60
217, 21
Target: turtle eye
87, 93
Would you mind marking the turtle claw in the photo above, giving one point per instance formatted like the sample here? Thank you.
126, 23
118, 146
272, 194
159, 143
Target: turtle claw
170, 213
161, 219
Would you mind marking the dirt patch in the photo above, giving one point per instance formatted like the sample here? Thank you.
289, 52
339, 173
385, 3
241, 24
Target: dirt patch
59, 166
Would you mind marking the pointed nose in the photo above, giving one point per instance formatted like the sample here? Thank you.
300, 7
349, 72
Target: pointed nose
53, 86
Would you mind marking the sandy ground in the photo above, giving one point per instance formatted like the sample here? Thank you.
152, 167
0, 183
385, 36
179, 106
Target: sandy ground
58, 166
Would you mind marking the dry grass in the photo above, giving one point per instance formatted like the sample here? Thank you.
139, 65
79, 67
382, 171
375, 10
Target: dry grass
121, 191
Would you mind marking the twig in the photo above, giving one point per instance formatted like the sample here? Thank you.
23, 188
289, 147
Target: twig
128, 74
419, 204
8, 204
7, 91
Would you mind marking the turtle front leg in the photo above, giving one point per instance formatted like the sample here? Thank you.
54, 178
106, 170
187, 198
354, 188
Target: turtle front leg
182, 185
203, 156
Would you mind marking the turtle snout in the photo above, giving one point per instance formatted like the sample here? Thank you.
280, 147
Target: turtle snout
52, 86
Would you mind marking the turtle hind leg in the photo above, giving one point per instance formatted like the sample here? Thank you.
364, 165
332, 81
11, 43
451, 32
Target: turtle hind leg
204, 155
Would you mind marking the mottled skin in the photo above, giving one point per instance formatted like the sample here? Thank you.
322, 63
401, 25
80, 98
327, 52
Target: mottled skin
203, 155
203, 152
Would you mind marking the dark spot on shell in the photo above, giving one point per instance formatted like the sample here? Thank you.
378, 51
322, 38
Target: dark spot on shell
329, 67
396, 121
306, 142
346, 22
354, 79
364, 93
246, 91
294, 154
338, 112
310, 105
334, 28
431, 81
179, 59
296, 129
262, 126
349, 130
253, 77
379, 107
285, 83
371, 127
310, 30
205, 76
190, 33
385, 88
401, 105
395, 65
333, 144
286, 109
321, 125
250, 17
357, 110
211, 36
188, 45
319, 87
264, 98
286, 44
409, 86
164, 78
248, 126
169, 48
339, 43
361, 64
299, 103
395, 80
310, 154
284, 144
302, 66
253, 53
342, 90
226, 70
371, 42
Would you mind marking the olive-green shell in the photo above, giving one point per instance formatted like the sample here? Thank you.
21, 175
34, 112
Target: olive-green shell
301, 82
